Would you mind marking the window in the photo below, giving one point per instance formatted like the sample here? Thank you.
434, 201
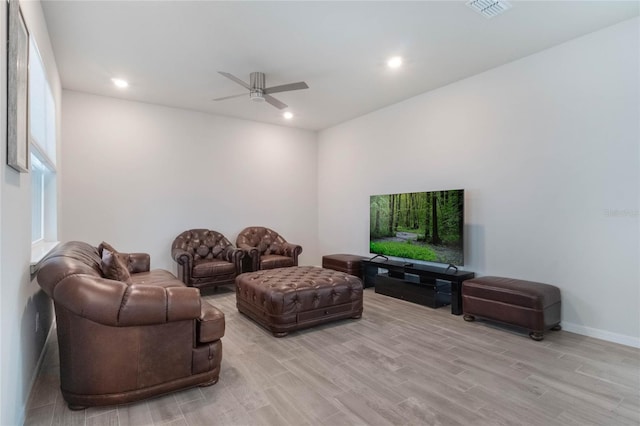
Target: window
42, 138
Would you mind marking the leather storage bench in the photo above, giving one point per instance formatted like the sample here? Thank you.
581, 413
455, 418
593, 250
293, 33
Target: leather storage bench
288, 299
534, 306
347, 263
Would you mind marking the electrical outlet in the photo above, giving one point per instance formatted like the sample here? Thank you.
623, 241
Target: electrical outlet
37, 320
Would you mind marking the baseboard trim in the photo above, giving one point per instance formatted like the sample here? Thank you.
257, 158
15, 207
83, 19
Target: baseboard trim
36, 372
622, 339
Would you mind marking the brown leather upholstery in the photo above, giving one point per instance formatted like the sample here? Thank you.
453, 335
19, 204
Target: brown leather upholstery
122, 342
265, 249
206, 258
534, 306
347, 263
287, 299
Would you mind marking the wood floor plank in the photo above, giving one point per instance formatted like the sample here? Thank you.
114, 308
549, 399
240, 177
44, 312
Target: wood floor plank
108, 418
39, 416
164, 409
137, 414
267, 416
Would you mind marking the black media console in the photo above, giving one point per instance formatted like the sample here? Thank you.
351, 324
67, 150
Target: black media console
427, 285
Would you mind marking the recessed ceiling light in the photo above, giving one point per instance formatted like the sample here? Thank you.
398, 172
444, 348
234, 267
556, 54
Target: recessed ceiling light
120, 82
288, 115
394, 62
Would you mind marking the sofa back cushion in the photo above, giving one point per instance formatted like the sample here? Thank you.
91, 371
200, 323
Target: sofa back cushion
72, 258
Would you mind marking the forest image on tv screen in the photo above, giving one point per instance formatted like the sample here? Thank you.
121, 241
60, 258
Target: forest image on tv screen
419, 225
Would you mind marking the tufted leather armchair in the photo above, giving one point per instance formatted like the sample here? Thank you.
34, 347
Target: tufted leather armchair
206, 258
264, 248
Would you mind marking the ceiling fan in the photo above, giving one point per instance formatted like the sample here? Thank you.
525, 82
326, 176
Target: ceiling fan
259, 93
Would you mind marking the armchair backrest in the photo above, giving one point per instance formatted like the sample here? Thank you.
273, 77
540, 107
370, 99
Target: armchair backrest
202, 244
266, 240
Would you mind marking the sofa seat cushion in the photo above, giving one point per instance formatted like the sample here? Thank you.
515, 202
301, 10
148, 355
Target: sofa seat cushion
272, 261
210, 323
157, 277
209, 267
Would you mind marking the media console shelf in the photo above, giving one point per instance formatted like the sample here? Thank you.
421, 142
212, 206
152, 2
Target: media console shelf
424, 284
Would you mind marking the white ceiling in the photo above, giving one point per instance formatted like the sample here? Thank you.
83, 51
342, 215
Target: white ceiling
170, 51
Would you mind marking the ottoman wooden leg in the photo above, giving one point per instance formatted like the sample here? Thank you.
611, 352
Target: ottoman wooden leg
536, 335
280, 333
469, 318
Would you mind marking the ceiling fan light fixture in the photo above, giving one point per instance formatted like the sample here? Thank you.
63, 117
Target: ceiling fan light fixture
256, 96
287, 115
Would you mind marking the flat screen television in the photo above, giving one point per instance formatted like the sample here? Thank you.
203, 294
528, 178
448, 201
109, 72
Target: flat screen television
424, 226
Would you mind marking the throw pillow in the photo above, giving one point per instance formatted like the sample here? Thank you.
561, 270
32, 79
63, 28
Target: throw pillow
114, 265
103, 245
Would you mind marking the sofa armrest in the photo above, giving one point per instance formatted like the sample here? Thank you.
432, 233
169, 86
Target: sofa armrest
146, 304
115, 303
138, 262
210, 326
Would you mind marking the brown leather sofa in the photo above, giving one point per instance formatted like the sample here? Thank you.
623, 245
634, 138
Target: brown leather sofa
206, 258
125, 340
265, 249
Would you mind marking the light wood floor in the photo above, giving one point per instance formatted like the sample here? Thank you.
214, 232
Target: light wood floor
400, 364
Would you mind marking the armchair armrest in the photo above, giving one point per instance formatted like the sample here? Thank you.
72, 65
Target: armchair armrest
248, 250
138, 262
292, 250
185, 263
181, 256
251, 253
233, 255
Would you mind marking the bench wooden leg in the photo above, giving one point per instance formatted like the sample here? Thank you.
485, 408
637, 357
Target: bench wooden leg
536, 335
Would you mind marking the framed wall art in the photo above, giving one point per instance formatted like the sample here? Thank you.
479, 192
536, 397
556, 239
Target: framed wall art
18, 90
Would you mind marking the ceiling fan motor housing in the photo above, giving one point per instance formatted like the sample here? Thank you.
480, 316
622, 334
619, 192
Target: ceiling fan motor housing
257, 83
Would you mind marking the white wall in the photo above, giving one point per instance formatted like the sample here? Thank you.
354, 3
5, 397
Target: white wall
21, 297
544, 147
137, 175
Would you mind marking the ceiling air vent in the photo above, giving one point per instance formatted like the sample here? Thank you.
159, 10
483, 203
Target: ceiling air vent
489, 8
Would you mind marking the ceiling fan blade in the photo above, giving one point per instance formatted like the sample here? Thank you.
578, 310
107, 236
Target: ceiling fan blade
273, 101
234, 78
286, 87
229, 97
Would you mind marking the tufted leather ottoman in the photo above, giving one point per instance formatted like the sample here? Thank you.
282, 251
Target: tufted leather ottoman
287, 299
534, 306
